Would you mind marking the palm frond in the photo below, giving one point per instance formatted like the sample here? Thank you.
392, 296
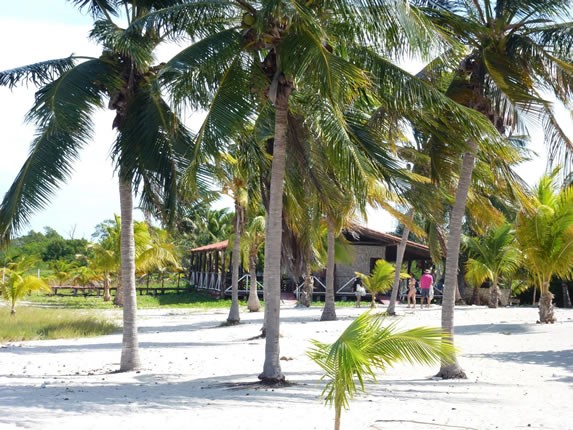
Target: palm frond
62, 112
36, 74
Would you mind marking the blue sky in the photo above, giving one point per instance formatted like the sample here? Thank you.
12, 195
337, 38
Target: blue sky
44, 29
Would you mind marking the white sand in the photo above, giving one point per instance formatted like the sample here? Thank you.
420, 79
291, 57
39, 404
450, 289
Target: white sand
520, 375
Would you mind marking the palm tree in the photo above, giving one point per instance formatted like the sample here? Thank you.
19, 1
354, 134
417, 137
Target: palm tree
17, 284
275, 59
544, 230
150, 138
366, 346
380, 280
492, 256
508, 53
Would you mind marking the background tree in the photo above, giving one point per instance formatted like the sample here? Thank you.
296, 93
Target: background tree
150, 140
513, 52
15, 283
492, 257
544, 231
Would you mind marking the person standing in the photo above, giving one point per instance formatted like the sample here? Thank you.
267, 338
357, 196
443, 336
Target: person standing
359, 291
412, 291
426, 284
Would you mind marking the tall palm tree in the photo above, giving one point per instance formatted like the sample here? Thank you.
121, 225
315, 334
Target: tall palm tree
492, 256
150, 137
544, 230
507, 54
366, 346
276, 58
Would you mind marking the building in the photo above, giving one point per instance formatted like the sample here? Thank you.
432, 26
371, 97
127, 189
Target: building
210, 265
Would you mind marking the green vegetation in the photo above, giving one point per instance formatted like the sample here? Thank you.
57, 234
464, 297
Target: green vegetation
36, 323
366, 346
192, 299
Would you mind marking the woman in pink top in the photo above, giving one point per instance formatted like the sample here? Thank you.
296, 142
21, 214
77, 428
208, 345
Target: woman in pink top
426, 282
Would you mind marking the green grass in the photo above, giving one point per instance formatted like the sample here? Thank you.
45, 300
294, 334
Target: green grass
193, 299
31, 323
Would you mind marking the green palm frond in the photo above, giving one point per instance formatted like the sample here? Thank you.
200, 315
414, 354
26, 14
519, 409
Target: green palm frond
36, 74
195, 19
367, 345
151, 149
99, 8
63, 113
193, 74
137, 49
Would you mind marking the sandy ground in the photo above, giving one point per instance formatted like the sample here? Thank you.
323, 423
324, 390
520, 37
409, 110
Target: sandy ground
196, 375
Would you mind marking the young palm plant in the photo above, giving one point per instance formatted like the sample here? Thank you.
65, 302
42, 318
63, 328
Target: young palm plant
16, 284
544, 231
492, 257
380, 280
367, 346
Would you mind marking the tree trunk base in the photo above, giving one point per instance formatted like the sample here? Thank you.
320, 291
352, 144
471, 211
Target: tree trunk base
546, 315
279, 381
452, 371
233, 322
328, 316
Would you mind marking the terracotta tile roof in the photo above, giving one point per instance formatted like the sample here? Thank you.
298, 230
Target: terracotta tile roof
212, 247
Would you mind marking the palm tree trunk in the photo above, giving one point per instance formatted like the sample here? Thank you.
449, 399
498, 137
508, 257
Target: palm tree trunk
566, 297
106, 294
130, 345
329, 311
453, 370
234, 317
391, 310
253, 303
546, 315
493, 295
307, 288
272, 372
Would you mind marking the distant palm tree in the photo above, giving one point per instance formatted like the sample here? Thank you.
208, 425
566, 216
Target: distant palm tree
252, 241
15, 283
544, 231
367, 346
492, 256
380, 280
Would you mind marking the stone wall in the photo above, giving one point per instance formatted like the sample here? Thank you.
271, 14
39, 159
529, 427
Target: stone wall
362, 256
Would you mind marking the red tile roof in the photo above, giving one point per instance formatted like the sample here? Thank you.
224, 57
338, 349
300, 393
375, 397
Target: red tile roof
212, 247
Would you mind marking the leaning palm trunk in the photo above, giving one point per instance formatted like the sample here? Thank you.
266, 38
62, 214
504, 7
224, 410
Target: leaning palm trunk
546, 315
452, 370
234, 317
391, 310
253, 303
272, 372
130, 346
329, 311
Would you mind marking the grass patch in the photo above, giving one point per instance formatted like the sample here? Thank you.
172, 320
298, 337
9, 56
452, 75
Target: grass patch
39, 323
192, 299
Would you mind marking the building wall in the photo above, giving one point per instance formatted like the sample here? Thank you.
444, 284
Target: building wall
362, 256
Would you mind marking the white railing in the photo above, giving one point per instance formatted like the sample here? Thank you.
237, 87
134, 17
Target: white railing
246, 284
